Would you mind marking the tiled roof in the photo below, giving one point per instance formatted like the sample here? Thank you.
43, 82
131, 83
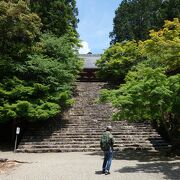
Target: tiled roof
90, 60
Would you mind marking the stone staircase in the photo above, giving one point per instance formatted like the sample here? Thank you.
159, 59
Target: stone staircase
81, 127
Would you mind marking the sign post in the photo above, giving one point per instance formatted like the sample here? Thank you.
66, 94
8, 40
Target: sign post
17, 133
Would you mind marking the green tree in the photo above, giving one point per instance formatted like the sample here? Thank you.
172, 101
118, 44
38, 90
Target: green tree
58, 16
162, 49
55, 62
147, 95
37, 71
43, 85
134, 18
151, 89
19, 29
118, 60
169, 10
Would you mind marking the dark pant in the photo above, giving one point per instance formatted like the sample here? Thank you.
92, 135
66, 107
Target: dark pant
108, 155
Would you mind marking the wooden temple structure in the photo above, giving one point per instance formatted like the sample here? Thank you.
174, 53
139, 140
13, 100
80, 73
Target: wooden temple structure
90, 68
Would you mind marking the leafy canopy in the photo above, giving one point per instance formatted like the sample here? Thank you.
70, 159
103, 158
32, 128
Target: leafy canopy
37, 70
163, 47
152, 87
118, 60
148, 94
19, 29
42, 88
135, 18
58, 16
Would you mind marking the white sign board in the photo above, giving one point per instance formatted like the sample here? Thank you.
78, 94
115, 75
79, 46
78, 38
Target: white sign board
18, 130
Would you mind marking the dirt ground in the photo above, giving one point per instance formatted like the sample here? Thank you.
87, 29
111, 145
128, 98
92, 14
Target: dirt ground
7, 166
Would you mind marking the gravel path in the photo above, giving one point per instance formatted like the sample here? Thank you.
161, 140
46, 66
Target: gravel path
87, 166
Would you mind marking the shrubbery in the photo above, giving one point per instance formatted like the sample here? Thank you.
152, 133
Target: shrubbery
37, 70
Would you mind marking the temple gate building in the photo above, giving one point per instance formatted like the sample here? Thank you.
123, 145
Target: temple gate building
90, 68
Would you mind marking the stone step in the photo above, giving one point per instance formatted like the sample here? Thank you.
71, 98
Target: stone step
82, 125
87, 129
159, 142
102, 127
88, 138
142, 145
67, 139
67, 118
95, 123
92, 135
61, 138
45, 150
84, 140
88, 132
88, 135
88, 141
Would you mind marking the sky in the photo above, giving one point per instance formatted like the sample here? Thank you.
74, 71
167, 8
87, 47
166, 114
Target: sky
96, 22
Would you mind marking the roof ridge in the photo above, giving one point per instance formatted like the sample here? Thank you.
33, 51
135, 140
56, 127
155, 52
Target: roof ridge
89, 55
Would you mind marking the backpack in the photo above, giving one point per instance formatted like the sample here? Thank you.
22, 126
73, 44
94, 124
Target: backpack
104, 142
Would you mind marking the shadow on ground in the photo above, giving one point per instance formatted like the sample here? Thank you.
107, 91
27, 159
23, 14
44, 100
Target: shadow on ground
170, 170
148, 163
98, 172
141, 156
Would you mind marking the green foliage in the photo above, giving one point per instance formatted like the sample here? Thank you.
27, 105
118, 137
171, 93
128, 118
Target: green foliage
37, 71
19, 28
55, 62
152, 87
48, 78
28, 111
135, 18
147, 95
19, 99
58, 16
169, 10
163, 47
61, 48
118, 60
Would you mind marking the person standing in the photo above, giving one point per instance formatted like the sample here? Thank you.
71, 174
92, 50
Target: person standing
106, 144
